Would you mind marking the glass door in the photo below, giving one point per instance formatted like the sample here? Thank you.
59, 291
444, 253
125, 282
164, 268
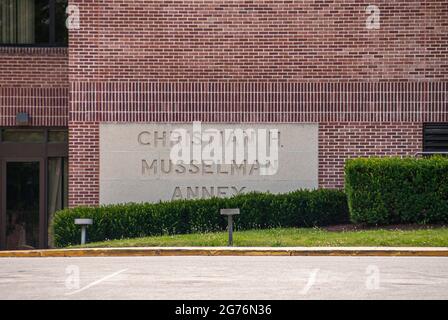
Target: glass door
57, 189
23, 207
33, 184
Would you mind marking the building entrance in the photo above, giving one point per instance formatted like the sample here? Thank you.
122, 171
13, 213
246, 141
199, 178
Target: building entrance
33, 185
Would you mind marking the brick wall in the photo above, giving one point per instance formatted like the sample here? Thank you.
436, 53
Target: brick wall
238, 60
260, 61
341, 141
34, 80
264, 60
262, 40
83, 163
33, 67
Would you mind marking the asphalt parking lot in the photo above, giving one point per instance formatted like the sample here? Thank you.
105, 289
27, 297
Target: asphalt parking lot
224, 278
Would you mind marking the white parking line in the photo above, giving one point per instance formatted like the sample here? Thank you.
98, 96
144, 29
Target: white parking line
96, 282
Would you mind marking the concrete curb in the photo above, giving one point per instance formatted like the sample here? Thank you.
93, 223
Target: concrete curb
237, 251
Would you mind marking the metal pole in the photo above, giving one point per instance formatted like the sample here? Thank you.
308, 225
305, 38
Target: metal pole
229, 213
83, 234
230, 227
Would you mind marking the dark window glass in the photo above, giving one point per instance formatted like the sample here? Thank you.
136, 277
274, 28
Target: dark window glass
57, 136
61, 33
26, 136
42, 21
33, 22
435, 137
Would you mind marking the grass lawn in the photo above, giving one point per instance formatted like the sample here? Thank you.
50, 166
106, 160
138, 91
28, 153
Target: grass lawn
430, 237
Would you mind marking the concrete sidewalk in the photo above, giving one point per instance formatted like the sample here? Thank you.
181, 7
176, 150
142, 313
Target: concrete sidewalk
233, 251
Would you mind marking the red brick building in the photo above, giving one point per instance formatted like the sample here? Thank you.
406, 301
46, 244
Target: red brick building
369, 91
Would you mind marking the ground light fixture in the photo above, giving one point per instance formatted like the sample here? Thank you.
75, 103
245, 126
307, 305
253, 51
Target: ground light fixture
83, 223
230, 213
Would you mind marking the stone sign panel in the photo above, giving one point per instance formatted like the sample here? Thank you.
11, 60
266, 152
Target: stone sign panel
136, 162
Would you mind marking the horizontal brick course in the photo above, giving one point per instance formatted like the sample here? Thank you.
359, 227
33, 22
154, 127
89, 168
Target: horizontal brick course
260, 102
46, 106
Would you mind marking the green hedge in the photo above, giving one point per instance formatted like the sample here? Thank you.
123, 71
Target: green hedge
396, 190
258, 210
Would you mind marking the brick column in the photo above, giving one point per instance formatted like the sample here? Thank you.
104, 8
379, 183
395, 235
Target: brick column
84, 164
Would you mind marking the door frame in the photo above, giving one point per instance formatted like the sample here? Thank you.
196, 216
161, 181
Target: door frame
29, 152
42, 201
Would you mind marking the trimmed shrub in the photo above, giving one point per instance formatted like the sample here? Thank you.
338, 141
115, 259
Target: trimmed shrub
301, 208
397, 190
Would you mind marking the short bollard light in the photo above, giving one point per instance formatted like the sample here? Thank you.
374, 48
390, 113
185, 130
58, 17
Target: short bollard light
83, 223
230, 213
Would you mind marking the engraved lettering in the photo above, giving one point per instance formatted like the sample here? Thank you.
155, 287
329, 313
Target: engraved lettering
192, 194
238, 191
222, 191
144, 138
146, 168
158, 138
177, 194
166, 170
208, 194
